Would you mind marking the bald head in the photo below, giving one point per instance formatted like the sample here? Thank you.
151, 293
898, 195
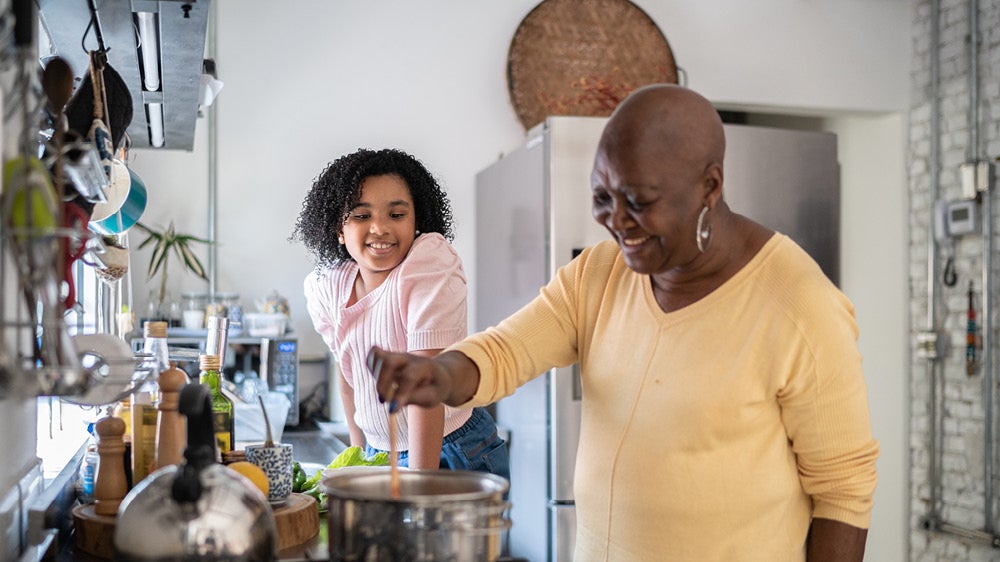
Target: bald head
667, 119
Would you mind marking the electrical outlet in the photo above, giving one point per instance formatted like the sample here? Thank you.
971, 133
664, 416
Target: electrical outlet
976, 177
927, 345
984, 176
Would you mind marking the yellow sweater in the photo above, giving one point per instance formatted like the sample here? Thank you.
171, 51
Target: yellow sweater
714, 432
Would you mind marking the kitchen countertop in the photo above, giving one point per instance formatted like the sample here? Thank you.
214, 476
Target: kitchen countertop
316, 447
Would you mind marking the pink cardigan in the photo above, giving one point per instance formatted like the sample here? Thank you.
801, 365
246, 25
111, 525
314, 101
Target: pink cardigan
422, 305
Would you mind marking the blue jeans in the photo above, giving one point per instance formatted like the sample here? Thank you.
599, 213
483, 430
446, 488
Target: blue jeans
474, 446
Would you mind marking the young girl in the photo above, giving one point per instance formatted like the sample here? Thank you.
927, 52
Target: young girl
378, 226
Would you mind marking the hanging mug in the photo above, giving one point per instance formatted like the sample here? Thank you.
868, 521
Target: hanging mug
128, 213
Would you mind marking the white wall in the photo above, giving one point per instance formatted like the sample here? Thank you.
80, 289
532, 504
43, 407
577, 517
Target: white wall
311, 80
873, 245
316, 79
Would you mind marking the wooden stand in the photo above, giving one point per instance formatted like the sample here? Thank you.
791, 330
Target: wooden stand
94, 534
297, 520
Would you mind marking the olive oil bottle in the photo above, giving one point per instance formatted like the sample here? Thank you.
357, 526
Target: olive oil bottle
222, 407
144, 400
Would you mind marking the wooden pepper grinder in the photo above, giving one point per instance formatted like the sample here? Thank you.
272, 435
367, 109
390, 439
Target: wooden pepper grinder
110, 486
171, 427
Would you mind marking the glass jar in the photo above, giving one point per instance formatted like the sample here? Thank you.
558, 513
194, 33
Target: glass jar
194, 301
234, 311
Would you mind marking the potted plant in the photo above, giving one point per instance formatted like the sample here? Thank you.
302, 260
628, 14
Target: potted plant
165, 243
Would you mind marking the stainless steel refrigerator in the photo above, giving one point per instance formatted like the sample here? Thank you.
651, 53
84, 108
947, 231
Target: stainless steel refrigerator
533, 216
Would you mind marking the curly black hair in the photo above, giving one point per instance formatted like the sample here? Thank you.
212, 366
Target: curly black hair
337, 190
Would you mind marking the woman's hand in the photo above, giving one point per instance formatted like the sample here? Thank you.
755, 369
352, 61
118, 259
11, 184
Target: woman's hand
403, 378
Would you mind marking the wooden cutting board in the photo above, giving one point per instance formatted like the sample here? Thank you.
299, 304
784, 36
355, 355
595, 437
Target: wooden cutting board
297, 521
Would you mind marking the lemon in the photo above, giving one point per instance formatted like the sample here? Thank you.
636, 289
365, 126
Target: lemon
253, 473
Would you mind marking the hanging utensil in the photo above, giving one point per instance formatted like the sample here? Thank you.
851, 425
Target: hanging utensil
73, 246
117, 102
57, 82
116, 111
99, 134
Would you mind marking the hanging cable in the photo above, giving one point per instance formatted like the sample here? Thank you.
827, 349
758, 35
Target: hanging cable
970, 333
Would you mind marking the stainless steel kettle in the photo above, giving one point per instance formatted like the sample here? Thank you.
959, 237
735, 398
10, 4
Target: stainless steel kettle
199, 510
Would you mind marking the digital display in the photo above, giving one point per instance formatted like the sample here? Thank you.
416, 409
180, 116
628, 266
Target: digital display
286, 347
960, 213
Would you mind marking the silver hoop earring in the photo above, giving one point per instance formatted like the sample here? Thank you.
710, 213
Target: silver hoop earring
703, 232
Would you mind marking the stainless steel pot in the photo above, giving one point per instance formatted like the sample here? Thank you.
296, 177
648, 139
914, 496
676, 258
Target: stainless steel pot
440, 516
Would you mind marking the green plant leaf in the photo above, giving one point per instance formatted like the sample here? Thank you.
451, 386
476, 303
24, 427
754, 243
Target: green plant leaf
170, 241
156, 260
151, 235
191, 261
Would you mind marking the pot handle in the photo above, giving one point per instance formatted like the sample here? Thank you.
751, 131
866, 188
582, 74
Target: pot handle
497, 520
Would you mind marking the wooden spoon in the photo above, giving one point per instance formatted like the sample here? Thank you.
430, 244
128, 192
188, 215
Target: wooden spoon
57, 81
375, 366
394, 486
269, 442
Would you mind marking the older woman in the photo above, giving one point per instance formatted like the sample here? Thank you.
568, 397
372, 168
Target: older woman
725, 414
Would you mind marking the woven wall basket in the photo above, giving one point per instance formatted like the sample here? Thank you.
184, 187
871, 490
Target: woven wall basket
582, 57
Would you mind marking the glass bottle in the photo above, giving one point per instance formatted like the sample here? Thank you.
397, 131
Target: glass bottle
222, 407
144, 402
155, 343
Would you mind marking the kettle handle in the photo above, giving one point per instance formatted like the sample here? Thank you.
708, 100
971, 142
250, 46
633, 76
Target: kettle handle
195, 402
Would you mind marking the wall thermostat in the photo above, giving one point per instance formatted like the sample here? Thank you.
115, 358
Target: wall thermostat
957, 218
962, 218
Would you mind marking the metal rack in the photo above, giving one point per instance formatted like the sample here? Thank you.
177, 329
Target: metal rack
39, 355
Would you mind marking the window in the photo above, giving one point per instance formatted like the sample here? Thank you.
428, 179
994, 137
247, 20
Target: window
62, 426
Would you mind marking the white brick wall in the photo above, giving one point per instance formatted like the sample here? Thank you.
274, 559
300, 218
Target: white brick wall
962, 462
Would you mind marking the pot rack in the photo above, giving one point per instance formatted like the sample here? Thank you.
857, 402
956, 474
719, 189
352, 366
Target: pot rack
38, 356
157, 46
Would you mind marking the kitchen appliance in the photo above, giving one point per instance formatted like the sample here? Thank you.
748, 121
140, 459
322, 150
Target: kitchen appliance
453, 515
533, 216
272, 360
279, 366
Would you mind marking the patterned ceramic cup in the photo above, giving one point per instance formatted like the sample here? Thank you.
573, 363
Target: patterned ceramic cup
276, 462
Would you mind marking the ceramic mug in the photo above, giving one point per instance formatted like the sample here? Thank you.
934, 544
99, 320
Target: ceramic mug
194, 319
128, 212
276, 462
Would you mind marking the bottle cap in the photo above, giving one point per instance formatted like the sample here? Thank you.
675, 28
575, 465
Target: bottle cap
209, 362
154, 329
